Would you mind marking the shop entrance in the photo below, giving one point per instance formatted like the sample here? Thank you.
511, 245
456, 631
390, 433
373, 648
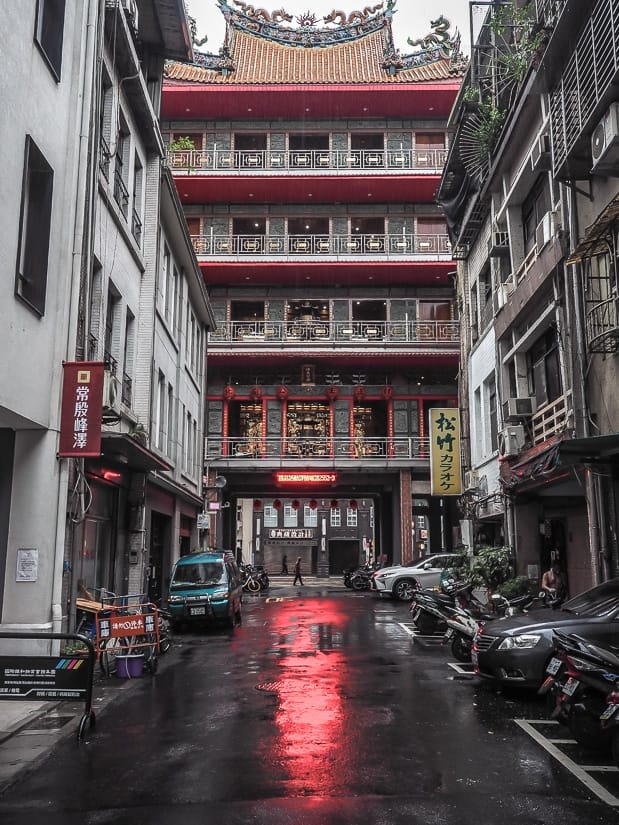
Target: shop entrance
342, 554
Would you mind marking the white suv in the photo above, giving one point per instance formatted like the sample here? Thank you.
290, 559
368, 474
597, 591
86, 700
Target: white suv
402, 580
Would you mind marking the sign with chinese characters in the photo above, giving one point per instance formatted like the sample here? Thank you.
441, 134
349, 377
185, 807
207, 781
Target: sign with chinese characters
121, 626
290, 533
445, 464
44, 677
80, 418
27, 564
307, 477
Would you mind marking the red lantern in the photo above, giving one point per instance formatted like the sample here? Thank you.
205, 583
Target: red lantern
255, 393
257, 504
295, 504
387, 393
228, 393
282, 393
352, 504
359, 393
313, 504
334, 504
332, 393
277, 505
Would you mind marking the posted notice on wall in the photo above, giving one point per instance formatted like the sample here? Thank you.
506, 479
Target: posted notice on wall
27, 564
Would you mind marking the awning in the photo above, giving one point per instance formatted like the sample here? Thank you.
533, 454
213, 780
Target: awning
597, 449
128, 452
594, 241
539, 467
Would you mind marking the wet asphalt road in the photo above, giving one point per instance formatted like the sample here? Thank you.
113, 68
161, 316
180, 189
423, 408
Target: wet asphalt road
319, 710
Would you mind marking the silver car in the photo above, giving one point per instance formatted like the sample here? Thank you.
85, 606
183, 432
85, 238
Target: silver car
402, 580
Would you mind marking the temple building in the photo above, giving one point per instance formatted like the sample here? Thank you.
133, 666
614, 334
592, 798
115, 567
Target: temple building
307, 155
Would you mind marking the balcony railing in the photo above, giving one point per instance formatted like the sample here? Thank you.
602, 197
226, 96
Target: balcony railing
552, 419
332, 449
380, 245
602, 326
121, 194
136, 227
127, 389
377, 161
337, 332
105, 155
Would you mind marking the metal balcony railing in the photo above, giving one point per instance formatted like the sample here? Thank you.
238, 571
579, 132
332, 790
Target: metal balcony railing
121, 194
105, 155
602, 326
332, 449
136, 227
380, 245
93, 347
337, 332
127, 389
377, 161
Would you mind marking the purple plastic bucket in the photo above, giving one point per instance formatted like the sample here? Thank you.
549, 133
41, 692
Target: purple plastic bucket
130, 666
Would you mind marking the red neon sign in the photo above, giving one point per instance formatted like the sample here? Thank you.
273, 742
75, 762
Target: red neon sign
308, 477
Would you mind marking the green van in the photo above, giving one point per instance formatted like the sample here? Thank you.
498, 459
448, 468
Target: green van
205, 587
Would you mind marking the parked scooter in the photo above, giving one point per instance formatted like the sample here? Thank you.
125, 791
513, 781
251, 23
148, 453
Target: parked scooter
430, 608
361, 577
250, 578
583, 690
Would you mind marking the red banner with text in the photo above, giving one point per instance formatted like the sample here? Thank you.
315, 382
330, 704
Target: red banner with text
80, 417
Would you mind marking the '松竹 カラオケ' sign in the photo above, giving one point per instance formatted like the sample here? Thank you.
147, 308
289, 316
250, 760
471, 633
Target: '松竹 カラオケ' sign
445, 465
80, 417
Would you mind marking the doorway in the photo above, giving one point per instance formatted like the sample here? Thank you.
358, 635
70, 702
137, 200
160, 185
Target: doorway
343, 553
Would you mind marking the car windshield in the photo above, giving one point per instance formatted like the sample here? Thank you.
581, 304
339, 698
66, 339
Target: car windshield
602, 600
198, 574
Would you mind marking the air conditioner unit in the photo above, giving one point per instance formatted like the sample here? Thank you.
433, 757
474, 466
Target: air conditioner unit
470, 479
498, 244
130, 8
511, 440
111, 393
540, 154
516, 408
503, 293
605, 143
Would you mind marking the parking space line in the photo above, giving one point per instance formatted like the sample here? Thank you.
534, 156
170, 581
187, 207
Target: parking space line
463, 668
581, 772
411, 631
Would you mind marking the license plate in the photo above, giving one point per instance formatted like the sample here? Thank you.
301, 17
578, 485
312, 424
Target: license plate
553, 666
570, 686
197, 611
610, 711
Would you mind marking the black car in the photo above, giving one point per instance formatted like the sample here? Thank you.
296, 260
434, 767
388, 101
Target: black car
516, 650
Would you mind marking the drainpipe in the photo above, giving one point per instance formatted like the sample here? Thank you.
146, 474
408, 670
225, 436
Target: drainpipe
578, 383
87, 72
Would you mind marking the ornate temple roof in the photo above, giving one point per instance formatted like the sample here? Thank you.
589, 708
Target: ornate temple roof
264, 48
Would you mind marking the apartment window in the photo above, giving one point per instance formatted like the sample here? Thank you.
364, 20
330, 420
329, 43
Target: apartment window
96, 299
105, 124
127, 384
160, 411
270, 516
335, 517
111, 343
49, 31
121, 193
291, 516
190, 444
34, 228
492, 415
545, 369
310, 516
170, 448
166, 263
136, 211
534, 208
351, 517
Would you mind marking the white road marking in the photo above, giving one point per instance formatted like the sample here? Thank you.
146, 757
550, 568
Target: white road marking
466, 669
581, 772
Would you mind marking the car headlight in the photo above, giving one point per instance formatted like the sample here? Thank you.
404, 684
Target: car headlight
175, 598
220, 596
519, 642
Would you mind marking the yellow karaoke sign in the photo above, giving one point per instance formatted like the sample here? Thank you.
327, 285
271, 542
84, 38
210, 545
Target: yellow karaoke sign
445, 465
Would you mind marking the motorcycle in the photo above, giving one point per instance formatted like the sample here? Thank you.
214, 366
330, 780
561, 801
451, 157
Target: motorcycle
430, 608
360, 579
249, 578
582, 686
164, 620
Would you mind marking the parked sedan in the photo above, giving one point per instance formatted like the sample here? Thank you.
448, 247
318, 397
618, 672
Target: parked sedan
401, 580
516, 651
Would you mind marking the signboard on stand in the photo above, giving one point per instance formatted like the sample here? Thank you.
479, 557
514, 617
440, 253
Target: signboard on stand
445, 463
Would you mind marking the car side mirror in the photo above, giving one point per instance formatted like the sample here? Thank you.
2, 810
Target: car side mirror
427, 565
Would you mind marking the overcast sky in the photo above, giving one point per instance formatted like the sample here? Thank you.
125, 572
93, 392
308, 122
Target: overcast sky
412, 17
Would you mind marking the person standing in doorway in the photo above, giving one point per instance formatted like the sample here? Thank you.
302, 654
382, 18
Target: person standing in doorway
297, 572
284, 565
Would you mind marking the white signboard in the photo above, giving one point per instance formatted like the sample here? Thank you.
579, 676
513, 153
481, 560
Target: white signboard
27, 564
204, 521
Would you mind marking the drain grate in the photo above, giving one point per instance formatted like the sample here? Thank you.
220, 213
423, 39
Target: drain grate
48, 723
269, 687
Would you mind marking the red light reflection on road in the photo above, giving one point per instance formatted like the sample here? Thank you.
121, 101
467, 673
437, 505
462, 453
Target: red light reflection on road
310, 713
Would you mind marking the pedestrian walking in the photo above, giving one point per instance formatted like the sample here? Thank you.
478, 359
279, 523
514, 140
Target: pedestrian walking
284, 565
297, 572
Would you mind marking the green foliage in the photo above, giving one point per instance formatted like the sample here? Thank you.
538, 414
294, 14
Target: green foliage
470, 94
512, 588
491, 123
491, 567
180, 143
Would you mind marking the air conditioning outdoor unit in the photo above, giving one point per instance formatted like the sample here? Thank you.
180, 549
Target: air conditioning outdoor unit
504, 292
111, 393
470, 479
540, 154
516, 408
511, 440
605, 143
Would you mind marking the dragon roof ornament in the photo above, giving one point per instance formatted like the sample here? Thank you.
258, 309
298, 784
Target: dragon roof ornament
337, 27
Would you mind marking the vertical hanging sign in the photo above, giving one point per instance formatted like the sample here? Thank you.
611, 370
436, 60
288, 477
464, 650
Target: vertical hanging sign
80, 417
445, 464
